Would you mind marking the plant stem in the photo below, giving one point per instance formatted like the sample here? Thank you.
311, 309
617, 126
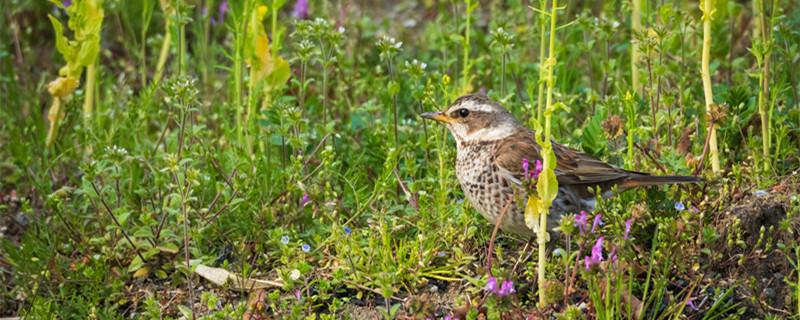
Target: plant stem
636, 24
650, 94
466, 46
542, 24
394, 106
88, 99
730, 52
706, 75
503, 76
542, 236
763, 96
162, 57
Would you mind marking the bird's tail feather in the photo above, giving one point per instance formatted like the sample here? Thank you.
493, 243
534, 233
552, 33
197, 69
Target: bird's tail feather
648, 180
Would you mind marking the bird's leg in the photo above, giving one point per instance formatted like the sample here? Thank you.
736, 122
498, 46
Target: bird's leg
522, 256
552, 245
494, 235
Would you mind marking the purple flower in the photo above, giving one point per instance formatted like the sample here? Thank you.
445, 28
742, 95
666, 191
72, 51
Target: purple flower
538, 169
627, 228
679, 206
691, 304
347, 230
297, 294
300, 9
507, 288
525, 166
306, 247
304, 201
597, 251
613, 256
597, 221
581, 221
223, 8
441, 254
587, 262
65, 3
491, 285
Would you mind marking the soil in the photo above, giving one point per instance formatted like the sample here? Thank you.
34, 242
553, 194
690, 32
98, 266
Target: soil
763, 287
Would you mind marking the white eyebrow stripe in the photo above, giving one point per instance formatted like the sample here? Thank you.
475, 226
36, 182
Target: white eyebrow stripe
489, 134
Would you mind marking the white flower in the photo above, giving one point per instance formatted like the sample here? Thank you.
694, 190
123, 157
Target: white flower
341, 29
295, 274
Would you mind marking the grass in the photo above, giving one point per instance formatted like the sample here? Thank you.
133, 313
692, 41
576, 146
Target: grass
288, 148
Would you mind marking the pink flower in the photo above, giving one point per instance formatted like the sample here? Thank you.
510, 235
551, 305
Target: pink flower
691, 304
597, 221
587, 262
627, 228
538, 169
491, 285
525, 166
300, 9
507, 288
223, 8
581, 221
297, 294
597, 251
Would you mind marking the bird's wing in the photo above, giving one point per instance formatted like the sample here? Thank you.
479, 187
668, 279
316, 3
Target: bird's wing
572, 166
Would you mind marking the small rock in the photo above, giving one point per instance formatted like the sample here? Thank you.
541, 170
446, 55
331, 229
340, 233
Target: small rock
761, 193
358, 302
778, 276
769, 293
433, 288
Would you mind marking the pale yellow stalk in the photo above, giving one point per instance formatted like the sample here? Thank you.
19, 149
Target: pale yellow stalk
707, 7
636, 24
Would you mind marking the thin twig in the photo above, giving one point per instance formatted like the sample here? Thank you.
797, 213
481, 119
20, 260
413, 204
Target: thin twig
135, 248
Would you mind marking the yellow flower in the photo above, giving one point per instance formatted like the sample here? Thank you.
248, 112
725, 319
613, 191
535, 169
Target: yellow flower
651, 33
262, 10
62, 87
446, 80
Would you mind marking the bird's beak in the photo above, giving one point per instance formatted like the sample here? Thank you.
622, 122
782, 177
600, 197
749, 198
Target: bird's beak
438, 116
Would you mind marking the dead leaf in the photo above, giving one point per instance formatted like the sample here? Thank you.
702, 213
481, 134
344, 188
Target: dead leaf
220, 277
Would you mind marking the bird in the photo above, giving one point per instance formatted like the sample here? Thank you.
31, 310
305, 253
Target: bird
491, 147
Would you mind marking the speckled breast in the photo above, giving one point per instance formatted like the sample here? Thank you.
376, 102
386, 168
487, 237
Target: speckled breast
487, 190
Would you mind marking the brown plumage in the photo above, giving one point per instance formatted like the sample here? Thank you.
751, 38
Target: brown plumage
491, 147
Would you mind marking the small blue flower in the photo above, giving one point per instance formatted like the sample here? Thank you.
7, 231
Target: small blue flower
557, 252
441, 254
284, 239
306, 247
460, 200
679, 206
347, 230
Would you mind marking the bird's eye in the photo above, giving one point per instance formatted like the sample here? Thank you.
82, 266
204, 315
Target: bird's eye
463, 112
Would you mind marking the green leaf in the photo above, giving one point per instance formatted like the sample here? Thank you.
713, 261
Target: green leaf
593, 139
62, 44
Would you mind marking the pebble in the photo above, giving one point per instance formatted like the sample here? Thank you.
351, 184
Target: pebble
769, 293
778, 276
761, 193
